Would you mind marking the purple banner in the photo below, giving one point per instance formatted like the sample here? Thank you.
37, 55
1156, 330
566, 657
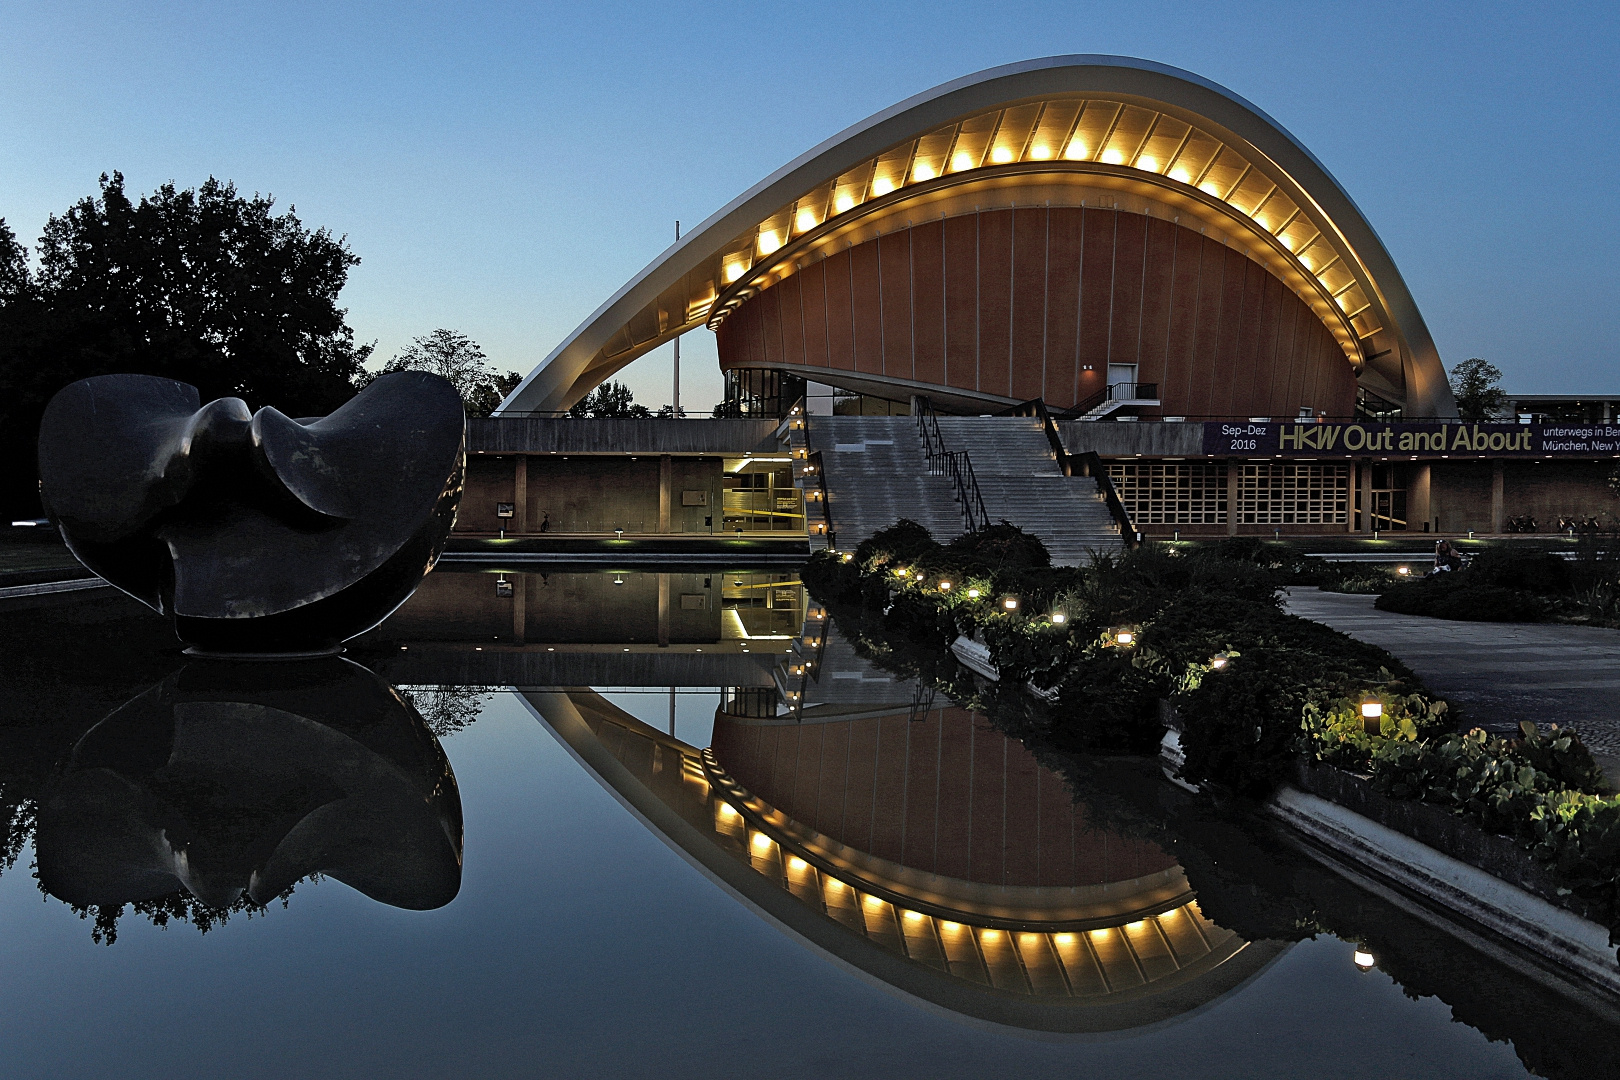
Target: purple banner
1306, 439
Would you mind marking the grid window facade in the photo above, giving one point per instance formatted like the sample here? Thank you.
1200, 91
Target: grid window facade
1293, 494
1172, 494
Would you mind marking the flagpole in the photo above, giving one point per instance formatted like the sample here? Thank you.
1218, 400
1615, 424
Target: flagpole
677, 402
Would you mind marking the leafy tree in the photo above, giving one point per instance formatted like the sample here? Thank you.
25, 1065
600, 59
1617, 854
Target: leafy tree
611, 399
458, 359
670, 412
1477, 385
202, 285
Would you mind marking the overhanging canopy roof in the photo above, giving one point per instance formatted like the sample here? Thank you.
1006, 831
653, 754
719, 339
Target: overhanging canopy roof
1163, 138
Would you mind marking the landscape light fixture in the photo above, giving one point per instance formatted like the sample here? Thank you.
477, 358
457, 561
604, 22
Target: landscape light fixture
618, 579
1403, 570
1011, 603
944, 586
1364, 960
1372, 715
1059, 618
1219, 661
619, 533
1126, 637
973, 594
902, 571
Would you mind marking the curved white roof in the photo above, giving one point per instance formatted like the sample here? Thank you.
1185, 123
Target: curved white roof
1124, 122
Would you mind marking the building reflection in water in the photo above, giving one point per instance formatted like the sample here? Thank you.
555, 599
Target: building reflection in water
231, 782
914, 843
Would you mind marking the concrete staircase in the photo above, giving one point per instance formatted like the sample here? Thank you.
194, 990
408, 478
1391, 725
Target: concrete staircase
876, 474
1020, 480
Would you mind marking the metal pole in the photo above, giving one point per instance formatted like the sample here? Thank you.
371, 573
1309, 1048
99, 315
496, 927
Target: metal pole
677, 403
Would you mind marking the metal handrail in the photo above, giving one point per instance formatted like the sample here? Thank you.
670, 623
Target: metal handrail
940, 460
813, 458
1089, 463
1036, 407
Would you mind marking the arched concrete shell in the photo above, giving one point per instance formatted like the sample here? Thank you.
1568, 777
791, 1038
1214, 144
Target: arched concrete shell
797, 216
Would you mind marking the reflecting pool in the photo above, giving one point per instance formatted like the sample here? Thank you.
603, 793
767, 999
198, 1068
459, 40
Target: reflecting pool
665, 822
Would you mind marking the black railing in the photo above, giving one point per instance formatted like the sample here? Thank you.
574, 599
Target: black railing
1120, 391
942, 462
1036, 407
1090, 464
813, 460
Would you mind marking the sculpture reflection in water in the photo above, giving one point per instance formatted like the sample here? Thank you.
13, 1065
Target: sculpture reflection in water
222, 787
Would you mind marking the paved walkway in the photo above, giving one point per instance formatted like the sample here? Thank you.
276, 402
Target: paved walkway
1497, 673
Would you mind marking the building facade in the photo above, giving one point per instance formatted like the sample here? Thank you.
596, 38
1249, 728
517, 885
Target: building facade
1168, 270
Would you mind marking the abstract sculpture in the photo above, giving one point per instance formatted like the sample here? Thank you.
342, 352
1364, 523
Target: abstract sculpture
255, 533
227, 780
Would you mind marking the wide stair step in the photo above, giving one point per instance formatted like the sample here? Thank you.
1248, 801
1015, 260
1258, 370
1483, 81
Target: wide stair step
877, 474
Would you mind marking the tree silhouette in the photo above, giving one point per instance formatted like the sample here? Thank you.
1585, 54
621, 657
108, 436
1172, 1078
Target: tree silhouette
610, 400
1476, 385
457, 358
201, 285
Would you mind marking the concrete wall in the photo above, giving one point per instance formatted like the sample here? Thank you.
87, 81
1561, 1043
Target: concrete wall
596, 494
1460, 492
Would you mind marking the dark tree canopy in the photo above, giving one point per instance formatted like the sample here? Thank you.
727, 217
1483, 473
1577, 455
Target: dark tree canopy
458, 358
611, 399
1477, 386
202, 285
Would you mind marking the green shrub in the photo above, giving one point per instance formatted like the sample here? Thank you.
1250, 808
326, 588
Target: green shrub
1461, 600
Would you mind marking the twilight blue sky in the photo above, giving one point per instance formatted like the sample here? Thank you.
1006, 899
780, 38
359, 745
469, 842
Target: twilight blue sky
501, 169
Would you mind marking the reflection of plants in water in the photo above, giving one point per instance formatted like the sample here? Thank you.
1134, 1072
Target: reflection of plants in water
179, 906
18, 815
448, 709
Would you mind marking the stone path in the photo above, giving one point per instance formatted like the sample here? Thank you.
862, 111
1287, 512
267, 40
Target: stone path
1497, 673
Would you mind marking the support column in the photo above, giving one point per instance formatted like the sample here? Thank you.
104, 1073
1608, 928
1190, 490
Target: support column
1364, 479
520, 494
1234, 474
1496, 495
520, 606
1417, 499
663, 610
666, 479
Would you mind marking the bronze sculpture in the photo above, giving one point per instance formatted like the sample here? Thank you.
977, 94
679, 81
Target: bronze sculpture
256, 533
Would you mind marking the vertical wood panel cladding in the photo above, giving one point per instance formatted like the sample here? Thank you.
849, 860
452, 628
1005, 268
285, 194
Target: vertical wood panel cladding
962, 301
1018, 303
894, 251
1125, 333
928, 301
792, 304
1029, 271
1062, 306
813, 291
1096, 298
1158, 283
995, 300
866, 299
1176, 386
840, 313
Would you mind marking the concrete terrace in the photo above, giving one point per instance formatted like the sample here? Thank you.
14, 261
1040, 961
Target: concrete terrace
1497, 673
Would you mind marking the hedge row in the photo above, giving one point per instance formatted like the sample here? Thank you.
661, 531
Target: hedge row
1255, 688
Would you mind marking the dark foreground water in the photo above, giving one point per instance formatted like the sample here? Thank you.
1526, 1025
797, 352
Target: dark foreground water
624, 906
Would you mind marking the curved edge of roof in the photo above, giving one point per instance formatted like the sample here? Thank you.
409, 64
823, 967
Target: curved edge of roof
552, 385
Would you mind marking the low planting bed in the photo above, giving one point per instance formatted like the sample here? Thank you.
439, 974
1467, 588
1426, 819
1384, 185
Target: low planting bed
1260, 694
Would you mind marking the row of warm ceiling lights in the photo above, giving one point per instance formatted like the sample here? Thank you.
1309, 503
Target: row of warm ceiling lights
771, 241
762, 846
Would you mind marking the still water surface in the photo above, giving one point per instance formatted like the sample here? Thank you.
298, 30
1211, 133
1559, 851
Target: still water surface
627, 906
